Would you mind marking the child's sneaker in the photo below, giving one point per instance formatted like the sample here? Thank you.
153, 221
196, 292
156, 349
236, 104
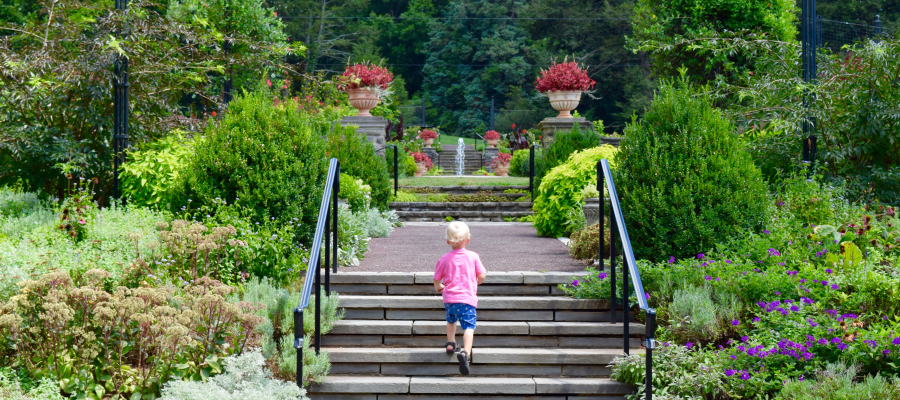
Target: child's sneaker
463, 358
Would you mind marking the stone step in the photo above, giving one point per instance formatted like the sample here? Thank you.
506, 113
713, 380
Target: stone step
479, 356
461, 207
420, 283
375, 388
469, 189
486, 303
538, 328
468, 216
485, 315
574, 342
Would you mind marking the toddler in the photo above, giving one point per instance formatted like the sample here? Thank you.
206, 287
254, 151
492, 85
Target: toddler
457, 276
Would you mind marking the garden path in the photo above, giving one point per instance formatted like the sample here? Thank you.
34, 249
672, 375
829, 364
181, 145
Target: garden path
503, 246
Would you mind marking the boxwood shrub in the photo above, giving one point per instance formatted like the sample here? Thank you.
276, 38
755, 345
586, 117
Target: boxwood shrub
558, 201
685, 180
358, 158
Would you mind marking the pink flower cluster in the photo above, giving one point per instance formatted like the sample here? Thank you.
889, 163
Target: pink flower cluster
501, 159
422, 158
492, 135
565, 76
364, 76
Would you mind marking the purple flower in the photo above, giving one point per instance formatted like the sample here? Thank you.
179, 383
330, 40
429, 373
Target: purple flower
795, 308
835, 286
886, 352
672, 260
896, 341
689, 344
701, 255
872, 343
842, 346
802, 280
729, 372
707, 277
835, 340
755, 319
766, 231
745, 375
727, 261
733, 357
833, 313
828, 270
647, 296
602, 276
773, 252
745, 339
704, 264
800, 378
735, 322
812, 323
778, 293
575, 283
822, 341
791, 273
824, 283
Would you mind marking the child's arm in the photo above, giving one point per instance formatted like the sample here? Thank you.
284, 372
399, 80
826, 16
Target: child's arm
481, 277
439, 286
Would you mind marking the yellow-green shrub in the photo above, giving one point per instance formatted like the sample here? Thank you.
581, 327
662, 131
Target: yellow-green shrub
559, 197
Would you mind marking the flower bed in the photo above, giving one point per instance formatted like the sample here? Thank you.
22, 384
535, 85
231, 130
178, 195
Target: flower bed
564, 76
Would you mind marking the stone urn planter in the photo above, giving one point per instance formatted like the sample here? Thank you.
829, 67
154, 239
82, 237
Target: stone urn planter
501, 169
428, 142
564, 101
421, 169
492, 143
591, 210
363, 99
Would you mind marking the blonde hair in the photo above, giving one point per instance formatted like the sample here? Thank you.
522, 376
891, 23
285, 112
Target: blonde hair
457, 232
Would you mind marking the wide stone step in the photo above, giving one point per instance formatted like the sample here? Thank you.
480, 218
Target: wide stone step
542, 328
480, 355
461, 207
521, 341
397, 387
485, 315
420, 283
486, 303
469, 189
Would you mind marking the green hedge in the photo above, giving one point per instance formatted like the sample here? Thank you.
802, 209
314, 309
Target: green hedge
358, 158
685, 180
557, 208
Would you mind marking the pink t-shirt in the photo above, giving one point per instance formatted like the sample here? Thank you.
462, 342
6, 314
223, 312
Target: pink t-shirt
459, 270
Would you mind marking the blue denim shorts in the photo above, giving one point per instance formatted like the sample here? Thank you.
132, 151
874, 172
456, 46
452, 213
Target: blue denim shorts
464, 313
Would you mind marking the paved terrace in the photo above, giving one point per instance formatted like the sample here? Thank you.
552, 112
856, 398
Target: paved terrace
503, 246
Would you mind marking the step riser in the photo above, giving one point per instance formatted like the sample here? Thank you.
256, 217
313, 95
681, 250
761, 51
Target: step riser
487, 303
572, 342
483, 315
541, 328
510, 206
469, 189
442, 386
452, 369
484, 290
467, 397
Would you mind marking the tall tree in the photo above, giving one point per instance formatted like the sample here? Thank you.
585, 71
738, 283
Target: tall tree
474, 52
327, 28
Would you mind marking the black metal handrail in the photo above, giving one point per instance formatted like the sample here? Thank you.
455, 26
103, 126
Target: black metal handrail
396, 176
531, 171
326, 225
617, 230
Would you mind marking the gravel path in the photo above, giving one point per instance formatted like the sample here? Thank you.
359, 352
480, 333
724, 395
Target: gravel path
502, 246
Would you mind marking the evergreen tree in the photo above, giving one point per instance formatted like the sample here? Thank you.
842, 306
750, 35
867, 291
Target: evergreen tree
469, 60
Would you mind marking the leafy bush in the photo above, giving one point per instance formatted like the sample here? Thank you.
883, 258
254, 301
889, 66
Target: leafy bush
267, 158
585, 243
404, 196
695, 317
677, 373
153, 170
16, 203
358, 158
353, 236
245, 378
558, 202
126, 342
563, 145
11, 388
838, 382
405, 162
686, 181
355, 192
377, 224
520, 163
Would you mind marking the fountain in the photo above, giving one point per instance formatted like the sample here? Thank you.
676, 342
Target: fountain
460, 157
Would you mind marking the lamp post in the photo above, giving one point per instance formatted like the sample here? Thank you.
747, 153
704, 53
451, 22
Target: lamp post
808, 29
120, 111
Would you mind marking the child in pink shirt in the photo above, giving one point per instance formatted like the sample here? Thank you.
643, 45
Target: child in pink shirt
457, 276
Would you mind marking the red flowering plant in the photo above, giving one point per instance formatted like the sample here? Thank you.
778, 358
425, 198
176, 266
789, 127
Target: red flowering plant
365, 76
564, 76
428, 134
492, 135
423, 158
501, 159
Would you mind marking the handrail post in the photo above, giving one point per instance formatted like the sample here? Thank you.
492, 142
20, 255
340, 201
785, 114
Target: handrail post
327, 253
625, 302
650, 317
531, 171
318, 332
336, 191
298, 343
612, 267
600, 183
396, 176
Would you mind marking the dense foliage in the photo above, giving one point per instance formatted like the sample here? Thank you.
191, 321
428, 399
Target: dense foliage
358, 158
684, 178
267, 158
558, 201
152, 173
661, 25
563, 145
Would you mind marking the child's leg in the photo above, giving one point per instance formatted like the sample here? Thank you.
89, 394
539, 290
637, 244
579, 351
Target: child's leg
451, 334
468, 336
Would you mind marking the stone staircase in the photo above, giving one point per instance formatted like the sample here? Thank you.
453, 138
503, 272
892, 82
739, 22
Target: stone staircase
531, 342
464, 211
447, 161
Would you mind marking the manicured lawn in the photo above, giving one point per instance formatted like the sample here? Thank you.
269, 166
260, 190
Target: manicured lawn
463, 181
453, 140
